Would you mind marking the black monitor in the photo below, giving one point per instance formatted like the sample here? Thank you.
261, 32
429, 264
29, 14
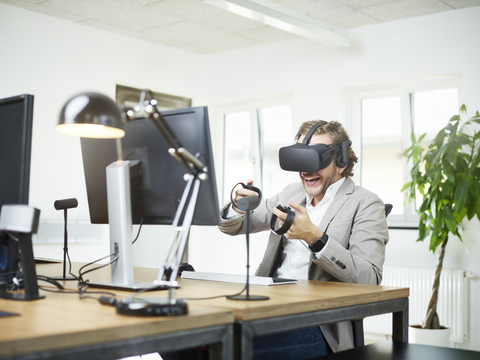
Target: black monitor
157, 179
16, 117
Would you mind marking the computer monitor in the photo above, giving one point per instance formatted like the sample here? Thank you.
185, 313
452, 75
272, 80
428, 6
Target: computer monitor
16, 118
157, 179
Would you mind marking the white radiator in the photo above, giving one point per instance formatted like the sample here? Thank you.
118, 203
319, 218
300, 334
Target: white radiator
452, 307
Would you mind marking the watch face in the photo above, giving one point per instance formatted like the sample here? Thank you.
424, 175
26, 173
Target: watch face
319, 243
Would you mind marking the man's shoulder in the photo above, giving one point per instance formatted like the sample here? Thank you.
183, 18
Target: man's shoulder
352, 189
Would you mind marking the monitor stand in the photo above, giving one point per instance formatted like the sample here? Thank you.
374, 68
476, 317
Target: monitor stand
120, 222
27, 262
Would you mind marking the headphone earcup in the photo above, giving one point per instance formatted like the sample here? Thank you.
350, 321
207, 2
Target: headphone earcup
342, 157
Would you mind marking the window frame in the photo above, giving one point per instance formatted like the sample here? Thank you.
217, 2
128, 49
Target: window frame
404, 90
251, 106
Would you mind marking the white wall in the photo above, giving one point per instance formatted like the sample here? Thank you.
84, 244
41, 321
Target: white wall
54, 59
320, 79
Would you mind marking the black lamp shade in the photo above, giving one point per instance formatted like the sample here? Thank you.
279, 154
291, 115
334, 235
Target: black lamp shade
91, 115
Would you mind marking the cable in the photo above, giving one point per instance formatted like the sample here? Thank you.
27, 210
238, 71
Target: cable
51, 281
63, 291
138, 233
218, 296
18, 282
81, 293
70, 266
215, 297
12, 236
82, 284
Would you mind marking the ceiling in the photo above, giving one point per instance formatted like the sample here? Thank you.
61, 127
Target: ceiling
198, 27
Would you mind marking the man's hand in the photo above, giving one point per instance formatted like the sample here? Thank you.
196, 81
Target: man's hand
241, 193
302, 227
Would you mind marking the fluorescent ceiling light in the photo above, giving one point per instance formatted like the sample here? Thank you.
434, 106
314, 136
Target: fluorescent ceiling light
285, 19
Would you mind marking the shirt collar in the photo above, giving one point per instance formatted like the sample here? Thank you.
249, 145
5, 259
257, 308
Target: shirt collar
329, 194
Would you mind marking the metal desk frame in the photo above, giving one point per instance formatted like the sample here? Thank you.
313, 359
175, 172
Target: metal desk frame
220, 338
245, 331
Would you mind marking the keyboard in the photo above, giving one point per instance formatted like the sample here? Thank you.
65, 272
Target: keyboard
240, 279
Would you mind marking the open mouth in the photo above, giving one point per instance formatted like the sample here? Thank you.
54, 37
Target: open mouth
310, 180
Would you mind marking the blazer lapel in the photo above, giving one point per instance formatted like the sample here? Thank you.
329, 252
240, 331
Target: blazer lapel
343, 194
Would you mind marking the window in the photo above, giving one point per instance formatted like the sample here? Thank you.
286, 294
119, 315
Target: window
381, 165
384, 120
253, 134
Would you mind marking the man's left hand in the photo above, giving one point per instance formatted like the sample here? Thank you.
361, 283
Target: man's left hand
302, 227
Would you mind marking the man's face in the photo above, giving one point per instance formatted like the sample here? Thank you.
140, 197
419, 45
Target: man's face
316, 184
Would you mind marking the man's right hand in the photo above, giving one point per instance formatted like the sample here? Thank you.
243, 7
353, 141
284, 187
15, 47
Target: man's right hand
243, 192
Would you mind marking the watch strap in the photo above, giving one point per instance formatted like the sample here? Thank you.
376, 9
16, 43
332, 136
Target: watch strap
319, 244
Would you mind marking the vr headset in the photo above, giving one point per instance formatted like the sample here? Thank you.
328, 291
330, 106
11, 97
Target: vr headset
309, 158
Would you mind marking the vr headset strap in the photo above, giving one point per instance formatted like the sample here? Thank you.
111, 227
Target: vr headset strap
310, 132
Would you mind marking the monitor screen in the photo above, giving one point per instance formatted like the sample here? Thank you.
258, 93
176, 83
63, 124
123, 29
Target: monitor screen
157, 179
16, 116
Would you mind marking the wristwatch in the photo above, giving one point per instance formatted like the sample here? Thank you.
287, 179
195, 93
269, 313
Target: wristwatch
318, 244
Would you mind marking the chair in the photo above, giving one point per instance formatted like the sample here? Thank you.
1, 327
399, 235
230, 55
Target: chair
357, 325
388, 209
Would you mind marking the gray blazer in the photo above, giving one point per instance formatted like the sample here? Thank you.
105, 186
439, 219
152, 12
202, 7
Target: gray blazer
355, 252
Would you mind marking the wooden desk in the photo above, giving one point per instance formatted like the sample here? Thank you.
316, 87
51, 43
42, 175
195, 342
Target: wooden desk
290, 307
302, 305
64, 326
295, 306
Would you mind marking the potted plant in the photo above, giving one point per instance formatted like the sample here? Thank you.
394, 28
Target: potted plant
446, 175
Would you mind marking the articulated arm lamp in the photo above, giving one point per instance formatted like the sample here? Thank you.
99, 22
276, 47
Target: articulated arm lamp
95, 115
196, 173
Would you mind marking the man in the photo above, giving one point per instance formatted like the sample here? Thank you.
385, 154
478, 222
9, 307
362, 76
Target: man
339, 233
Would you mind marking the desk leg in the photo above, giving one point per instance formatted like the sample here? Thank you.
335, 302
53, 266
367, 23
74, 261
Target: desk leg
243, 341
358, 335
224, 349
400, 324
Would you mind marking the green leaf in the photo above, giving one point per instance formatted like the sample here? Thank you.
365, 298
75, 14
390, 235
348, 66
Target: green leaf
406, 186
446, 173
449, 220
460, 215
461, 194
420, 139
475, 160
473, 210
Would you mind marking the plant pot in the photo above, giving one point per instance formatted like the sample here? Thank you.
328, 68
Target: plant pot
434, 337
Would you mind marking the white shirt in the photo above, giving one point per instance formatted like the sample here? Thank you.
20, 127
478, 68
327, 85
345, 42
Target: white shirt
296, 254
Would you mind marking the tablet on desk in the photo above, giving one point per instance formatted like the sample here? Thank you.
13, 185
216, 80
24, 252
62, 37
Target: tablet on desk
241, 279
43, 260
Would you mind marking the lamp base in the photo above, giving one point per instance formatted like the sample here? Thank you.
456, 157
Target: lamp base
162, 307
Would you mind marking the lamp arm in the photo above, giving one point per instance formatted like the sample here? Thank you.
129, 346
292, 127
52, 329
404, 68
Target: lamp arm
193, 165
181, 229
149, 108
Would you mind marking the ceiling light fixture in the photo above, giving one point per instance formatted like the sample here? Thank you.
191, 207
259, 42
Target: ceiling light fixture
285, 19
